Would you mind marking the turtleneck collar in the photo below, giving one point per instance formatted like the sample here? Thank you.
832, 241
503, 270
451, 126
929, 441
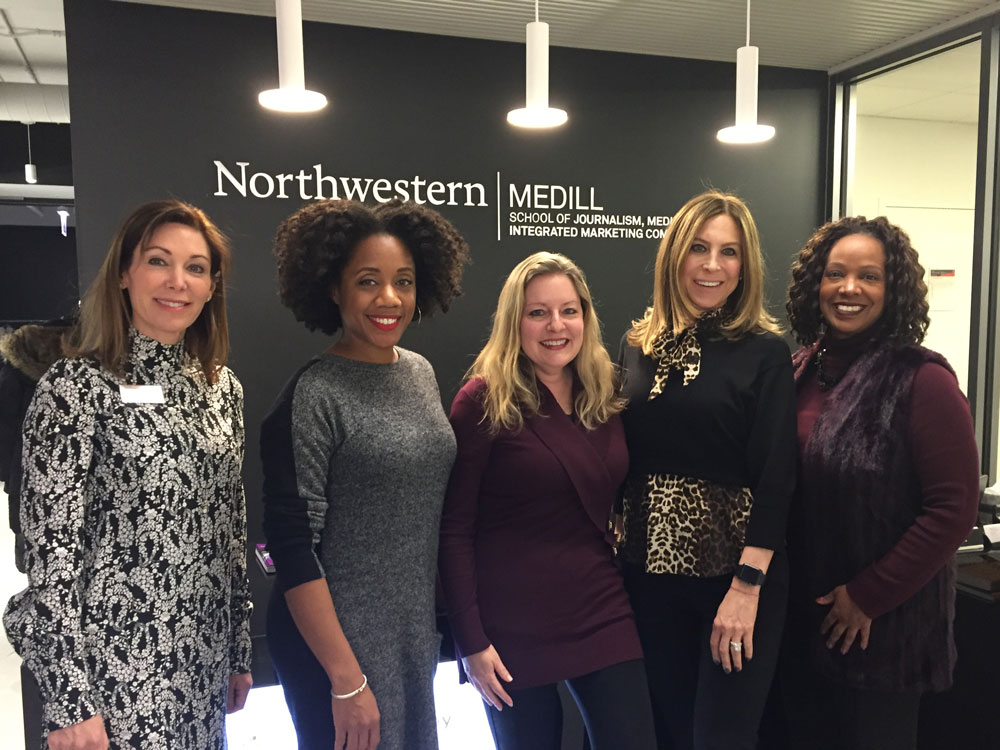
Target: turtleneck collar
149, 359
841, 353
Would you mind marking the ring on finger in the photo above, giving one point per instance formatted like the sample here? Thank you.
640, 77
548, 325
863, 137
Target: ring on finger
736, 646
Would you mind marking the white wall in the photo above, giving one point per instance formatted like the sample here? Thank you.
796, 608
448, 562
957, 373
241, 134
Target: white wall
922, 176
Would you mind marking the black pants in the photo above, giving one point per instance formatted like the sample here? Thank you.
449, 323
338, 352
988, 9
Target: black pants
303, 680
821, 714
697, 706
613, 701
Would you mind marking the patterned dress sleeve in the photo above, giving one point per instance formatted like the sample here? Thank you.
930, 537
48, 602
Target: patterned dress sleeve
240, 604
43, 622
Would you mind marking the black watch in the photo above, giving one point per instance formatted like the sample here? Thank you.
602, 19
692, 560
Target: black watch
749, 574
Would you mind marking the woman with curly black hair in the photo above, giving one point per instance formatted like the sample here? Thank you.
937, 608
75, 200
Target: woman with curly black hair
888, 487
356, 456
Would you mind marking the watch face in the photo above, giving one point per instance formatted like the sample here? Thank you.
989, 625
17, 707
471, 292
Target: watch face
750, 574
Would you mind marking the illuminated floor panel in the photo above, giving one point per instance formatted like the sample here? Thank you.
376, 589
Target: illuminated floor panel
265, 722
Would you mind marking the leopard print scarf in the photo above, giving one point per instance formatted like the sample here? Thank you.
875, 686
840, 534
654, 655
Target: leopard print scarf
682, 351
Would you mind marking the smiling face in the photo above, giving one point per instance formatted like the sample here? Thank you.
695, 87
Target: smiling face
711, 270
376, 295
552, 324
852, 292
168, 282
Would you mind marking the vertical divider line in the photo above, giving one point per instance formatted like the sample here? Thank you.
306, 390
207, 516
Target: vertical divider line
498, 205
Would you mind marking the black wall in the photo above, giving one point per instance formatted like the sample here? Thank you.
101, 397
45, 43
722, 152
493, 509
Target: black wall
158, 94
38, 277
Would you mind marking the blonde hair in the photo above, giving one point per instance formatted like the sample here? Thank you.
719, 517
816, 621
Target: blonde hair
511, 386
672, 308
106, 312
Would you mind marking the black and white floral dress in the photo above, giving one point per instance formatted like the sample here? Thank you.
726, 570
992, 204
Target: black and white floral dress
137, 606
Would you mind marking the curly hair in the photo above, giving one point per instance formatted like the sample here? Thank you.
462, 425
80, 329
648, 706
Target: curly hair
314, 244
904, 319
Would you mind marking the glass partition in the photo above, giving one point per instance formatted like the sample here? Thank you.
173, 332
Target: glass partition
913, 159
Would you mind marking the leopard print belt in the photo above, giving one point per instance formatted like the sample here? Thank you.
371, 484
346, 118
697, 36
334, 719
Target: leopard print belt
685, 526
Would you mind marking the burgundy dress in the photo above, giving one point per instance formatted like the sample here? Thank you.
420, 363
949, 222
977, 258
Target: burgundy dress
525, 556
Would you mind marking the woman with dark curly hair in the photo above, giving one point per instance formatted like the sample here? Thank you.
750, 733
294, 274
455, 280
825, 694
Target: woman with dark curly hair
356, 456
888, 487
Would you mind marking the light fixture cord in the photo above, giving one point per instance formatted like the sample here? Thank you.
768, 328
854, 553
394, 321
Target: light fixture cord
536, 11
29, 142
748, 23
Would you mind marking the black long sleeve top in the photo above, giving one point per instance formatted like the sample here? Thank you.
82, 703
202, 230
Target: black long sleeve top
733, 425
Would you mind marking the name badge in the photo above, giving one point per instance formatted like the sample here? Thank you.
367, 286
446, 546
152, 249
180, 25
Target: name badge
142, 394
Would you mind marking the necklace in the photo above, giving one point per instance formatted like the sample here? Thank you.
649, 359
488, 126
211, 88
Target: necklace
826, 381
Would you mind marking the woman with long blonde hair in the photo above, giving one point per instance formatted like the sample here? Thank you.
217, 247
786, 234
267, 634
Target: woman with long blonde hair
526, 554
710, 426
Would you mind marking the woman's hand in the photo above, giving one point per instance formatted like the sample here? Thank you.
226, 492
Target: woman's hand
87, 735
239, 688
483, 668
733, 624
356, 721
845, 621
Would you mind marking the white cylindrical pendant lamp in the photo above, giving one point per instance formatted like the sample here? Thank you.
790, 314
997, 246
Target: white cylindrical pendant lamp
536, 79
537, 113
291, 65
30, 173
746, 86
291, 94
746, 129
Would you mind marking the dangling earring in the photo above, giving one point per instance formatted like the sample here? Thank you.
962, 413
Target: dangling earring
419, 316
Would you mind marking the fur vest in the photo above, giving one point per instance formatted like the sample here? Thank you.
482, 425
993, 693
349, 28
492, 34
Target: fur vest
858, 494
25, 355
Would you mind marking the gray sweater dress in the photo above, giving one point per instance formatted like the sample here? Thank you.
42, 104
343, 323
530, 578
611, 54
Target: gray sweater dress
356, 461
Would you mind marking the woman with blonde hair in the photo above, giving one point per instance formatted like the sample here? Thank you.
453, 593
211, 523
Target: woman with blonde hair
526, 554
710, 426
136, 619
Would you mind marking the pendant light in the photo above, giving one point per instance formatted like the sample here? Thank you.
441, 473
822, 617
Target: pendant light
746, 129
536, 112
63, 221
291, 94
30, 173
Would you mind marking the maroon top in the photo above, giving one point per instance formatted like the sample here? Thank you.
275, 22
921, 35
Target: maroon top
525, 561
942, 444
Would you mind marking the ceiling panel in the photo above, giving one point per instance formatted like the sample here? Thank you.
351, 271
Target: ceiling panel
942, 108
941, 87
817, 34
